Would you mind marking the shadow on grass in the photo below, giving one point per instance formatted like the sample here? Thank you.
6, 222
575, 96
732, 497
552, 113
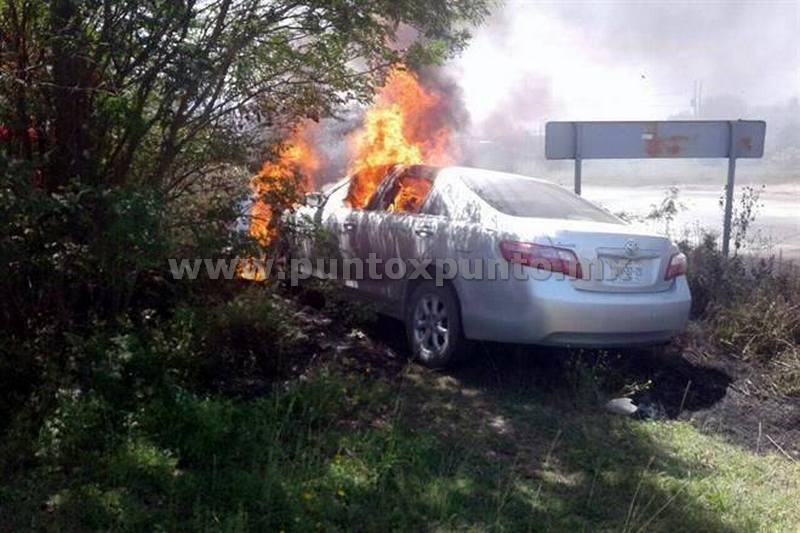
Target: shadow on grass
660, 376
534, 418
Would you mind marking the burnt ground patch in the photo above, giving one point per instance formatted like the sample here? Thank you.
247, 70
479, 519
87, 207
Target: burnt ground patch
671, 382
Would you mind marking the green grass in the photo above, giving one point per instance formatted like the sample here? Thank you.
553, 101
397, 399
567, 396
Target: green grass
419, 453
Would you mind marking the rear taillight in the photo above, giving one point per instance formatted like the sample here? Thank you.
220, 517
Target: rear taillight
677, 266
542, 257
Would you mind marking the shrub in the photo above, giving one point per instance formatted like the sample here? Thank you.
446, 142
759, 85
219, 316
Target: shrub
79, 263
246, 337
73, 255
762, 327
750, 308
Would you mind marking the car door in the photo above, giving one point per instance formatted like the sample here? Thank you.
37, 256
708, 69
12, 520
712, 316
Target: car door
355, 229
339, 224
398, 232
360, 229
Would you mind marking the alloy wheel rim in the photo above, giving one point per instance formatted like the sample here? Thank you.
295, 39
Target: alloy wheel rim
431, 327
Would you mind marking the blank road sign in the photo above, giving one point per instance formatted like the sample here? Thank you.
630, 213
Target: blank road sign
645, 140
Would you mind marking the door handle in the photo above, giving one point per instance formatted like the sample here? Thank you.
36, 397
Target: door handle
424, 231
349, 226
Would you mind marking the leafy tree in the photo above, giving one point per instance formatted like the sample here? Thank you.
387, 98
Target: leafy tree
162, 92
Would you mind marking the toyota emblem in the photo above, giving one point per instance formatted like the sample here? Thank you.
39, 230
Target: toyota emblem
631, 248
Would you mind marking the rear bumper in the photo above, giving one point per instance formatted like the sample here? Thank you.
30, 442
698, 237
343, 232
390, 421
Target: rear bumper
553, 312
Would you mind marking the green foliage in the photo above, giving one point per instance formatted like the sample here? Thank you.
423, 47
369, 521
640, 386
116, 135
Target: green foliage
79, 249
247, 337
713, 278
667, 210
130, 126
743, 215
158, 92
78, 431
179, 456
68, 259
749, 306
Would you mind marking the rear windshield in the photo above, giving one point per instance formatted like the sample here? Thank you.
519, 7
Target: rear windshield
522, 197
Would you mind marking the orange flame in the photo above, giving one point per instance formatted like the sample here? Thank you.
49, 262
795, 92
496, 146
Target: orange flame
403, 126
412, 193
400, 128
283, 182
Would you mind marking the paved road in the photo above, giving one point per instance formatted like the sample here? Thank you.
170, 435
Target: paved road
777, 222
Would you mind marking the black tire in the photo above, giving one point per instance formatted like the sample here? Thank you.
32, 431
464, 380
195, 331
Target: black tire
433, 326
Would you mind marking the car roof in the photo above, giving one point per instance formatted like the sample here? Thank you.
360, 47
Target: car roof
472, 172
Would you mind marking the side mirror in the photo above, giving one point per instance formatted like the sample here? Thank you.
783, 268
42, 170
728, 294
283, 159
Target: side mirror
314, 199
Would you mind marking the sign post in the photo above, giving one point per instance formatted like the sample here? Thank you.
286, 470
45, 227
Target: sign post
669, 139
726, 225
578, 157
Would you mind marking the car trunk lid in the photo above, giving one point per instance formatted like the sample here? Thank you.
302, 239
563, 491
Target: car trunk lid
613, 257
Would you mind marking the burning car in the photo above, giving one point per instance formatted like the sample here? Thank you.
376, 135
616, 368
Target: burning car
526, 261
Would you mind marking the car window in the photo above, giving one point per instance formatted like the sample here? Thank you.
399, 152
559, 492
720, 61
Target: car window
407, 194
366, 186
523, 197
384, 188
406, 190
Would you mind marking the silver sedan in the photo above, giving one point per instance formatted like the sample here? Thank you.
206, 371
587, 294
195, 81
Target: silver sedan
462, 254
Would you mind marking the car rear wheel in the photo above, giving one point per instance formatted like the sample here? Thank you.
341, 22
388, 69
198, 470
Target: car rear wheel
433, 326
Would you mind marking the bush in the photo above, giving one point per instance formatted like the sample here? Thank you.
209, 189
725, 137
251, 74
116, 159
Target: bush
83, 261
69, 406
76, 254
712, 277
245, 339
765, 325
750, 308
70, 258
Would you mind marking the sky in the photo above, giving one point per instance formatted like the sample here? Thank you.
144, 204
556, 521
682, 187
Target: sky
612, 60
